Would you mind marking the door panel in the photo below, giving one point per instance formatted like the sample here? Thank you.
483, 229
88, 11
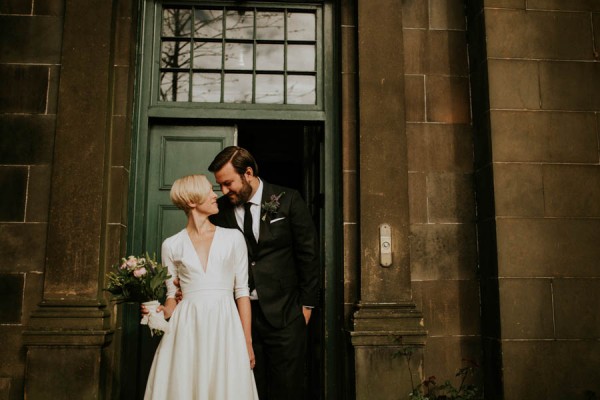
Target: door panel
176, 151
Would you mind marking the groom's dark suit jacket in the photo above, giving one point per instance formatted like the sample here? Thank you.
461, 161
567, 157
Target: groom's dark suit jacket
285, 263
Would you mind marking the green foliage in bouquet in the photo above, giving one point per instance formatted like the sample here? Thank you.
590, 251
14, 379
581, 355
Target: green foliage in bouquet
138, 279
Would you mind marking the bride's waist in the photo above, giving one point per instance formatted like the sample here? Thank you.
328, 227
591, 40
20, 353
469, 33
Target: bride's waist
199, 292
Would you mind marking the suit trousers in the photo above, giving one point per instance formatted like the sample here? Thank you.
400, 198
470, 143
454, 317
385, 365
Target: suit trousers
280, 357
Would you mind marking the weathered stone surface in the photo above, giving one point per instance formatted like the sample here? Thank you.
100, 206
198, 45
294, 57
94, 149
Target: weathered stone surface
519, 190
439, 147
415, 14
50, 7
417, 195
574, 94
38, 193
447, 99
526, 306
571, 190
450, 307
11, 298
414, 93
518, 4
576, 304
23, 88
514, 84
447, 14
566, 368
30, 39
435, 52
444, 356
540, 136
548, 247
29, 137
23, 247
443, 251
538, 35
558, 5
13, 181
450, 197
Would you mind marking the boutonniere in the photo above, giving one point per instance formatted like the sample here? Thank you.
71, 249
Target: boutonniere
270, 207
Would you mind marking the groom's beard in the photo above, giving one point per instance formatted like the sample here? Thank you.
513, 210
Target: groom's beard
243, 195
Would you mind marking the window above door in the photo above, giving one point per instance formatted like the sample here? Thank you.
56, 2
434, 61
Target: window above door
260, 55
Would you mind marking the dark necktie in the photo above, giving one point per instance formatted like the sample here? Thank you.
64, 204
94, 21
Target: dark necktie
251, 240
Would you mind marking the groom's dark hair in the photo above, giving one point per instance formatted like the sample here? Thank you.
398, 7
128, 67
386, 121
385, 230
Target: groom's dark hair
240, 159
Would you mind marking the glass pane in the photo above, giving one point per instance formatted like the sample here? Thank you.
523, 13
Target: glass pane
174, 86
269, 89
301, 58
177, 22
238, 88
206, 88
239, 24
269, 57
301, 26
175, 55
301, 89
238, 56
207, 55
269, 25
208, 23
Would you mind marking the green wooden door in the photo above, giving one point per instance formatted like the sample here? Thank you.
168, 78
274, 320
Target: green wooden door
173, 151
176, 151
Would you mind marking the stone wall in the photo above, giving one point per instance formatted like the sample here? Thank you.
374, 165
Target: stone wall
536, 78
30, 44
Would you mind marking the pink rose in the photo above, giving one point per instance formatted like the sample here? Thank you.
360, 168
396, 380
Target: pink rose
138, 273
131, 262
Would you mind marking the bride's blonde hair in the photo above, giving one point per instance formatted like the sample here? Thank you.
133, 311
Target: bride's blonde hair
190, 189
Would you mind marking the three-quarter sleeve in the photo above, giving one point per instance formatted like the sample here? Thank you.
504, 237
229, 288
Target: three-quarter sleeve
167, 260
240, 266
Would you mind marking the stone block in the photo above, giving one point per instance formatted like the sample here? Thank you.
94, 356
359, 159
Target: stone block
435, 52
30, 39
30, 139
518, 190
443, 251
414, 94
415, 14
449, 307
24, 88
444, 356
526, 310
38, 193
121, 90
23, 247
350, 194
417, 197
448, 99
576, 308
53, 82
550, 370
17, 7
559, 5
572, 190
13, 352
516, 4
125, 41
117, 206
49, 7
121, 142
514, 84
549, 247
381, 371
567, 86
450, 197
538, 35
447, 14
540, 136
11, 298
439, 147
596, 29
34, 291
13, 181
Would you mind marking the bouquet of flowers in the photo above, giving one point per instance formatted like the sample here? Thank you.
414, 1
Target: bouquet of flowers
142, 279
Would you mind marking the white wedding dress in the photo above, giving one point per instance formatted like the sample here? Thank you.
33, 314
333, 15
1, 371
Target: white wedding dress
204, 354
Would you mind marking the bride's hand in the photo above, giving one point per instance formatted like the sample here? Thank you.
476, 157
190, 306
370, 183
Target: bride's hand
251, 354
167, 308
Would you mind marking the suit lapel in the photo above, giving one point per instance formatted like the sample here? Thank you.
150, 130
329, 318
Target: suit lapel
264, 227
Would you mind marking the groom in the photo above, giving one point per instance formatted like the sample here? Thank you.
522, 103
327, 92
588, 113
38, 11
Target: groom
283, 255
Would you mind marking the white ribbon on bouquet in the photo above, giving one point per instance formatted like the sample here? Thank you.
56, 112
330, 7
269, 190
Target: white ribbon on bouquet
155, 320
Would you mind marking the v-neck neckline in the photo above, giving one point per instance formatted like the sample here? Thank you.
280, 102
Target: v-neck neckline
203, 267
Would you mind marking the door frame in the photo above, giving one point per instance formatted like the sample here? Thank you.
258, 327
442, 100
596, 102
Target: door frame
332, 223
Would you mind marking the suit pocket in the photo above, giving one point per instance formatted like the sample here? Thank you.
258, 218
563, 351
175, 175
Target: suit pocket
288, 282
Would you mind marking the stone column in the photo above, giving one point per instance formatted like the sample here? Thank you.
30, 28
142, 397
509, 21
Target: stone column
70, 328
386, 321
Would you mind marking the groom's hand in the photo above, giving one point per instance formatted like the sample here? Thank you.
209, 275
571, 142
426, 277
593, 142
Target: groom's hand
178, 294
307, 311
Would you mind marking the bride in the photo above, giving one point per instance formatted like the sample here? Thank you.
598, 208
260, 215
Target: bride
207, 353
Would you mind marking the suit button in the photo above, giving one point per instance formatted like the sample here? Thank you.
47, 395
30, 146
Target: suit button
252, 264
